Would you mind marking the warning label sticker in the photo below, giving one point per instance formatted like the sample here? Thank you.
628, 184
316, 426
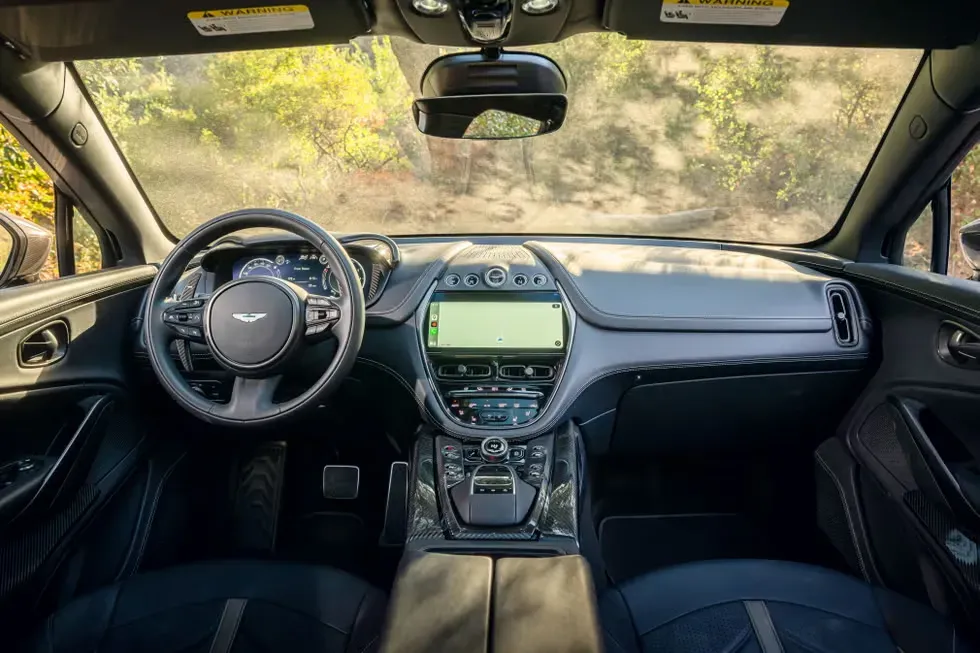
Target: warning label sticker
250, 20
764, 13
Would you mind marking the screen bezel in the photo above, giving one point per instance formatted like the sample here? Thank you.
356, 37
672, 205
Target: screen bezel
543, 296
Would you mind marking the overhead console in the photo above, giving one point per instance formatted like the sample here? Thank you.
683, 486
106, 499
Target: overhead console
495, 333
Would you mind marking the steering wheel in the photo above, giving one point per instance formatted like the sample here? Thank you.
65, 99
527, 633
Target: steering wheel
254, 326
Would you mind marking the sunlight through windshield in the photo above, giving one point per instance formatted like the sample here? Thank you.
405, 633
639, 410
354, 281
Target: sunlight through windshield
676, 139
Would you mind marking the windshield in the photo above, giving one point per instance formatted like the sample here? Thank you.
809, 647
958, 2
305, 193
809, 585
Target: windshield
750, 143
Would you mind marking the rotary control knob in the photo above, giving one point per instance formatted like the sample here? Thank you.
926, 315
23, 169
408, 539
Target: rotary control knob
494, 449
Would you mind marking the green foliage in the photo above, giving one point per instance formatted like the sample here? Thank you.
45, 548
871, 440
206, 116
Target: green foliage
501, 124
651, 128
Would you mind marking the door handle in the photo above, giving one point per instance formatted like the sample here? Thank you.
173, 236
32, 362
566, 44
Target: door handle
963, 344
959, 346
47, 345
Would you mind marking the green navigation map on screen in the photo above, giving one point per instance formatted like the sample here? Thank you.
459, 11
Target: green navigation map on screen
503, 325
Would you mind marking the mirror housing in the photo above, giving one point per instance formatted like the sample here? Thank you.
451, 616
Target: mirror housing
29, 249
970, 245
516, 94
509, 116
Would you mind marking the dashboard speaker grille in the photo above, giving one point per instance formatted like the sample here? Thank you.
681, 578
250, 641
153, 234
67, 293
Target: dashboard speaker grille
491, 253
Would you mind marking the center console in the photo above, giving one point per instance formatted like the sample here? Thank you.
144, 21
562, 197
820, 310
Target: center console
494, 336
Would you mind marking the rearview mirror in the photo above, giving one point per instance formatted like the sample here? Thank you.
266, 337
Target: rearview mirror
970, 244
24, 249
490, 117
491, 95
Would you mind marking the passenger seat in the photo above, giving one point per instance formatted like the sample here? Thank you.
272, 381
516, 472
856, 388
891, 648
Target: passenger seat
769, 607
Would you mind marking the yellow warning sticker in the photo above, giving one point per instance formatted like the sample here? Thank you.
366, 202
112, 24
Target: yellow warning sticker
250, 20
764, 13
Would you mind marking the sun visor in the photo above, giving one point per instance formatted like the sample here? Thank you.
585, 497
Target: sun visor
870, 23
131, 28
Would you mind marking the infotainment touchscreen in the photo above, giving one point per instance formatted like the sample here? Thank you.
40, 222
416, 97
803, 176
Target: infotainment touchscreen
479, 323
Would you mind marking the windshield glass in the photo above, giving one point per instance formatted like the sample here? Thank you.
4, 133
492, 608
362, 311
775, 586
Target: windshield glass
729, 142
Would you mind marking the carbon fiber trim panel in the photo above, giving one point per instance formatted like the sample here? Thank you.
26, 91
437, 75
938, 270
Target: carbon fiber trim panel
959, 547
23, 555
553, 514
560, 514
423, 508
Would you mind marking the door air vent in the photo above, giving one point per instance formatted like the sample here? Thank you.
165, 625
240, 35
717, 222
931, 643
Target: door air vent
527, 372
842, 314
460, 371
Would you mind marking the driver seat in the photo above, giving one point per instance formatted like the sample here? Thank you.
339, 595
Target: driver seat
222, 607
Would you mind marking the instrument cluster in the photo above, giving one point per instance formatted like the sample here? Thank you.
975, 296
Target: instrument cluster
308, 269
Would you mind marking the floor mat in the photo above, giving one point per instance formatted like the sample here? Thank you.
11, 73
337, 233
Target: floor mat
633, 545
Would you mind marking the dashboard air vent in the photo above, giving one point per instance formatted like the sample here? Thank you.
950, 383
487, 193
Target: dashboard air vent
527, 372
460, 371
843, 316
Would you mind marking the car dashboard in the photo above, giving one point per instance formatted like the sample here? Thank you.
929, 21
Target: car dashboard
644, 344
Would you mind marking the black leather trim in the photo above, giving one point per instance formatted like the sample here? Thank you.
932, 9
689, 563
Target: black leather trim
34, 302
960, 298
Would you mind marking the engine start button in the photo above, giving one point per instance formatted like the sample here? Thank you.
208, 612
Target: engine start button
494, 449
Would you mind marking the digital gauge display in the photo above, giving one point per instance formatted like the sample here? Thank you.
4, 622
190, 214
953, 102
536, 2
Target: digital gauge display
309, 270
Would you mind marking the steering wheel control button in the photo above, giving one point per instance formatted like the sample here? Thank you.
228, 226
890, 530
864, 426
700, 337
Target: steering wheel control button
251, 322
471, 280
494, 449
185, 318
516, 454
539, 280
538, 452
321, 314
452, 280
450, 452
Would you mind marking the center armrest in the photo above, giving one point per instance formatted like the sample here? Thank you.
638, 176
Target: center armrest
440, 604
444, 603
545, 605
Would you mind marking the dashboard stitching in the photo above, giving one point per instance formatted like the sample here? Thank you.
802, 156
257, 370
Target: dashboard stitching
915, 294
546, 255
68, 302
440, 262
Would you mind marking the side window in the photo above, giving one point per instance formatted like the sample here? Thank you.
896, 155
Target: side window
918, 242
964, 209
26, 191
88, 254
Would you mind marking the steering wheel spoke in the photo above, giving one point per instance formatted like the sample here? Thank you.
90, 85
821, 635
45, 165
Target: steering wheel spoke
185, 319
250, 398
322, 313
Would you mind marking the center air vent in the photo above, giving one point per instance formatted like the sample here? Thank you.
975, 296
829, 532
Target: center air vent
843, 316
527, 372
460, 371
495, 277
